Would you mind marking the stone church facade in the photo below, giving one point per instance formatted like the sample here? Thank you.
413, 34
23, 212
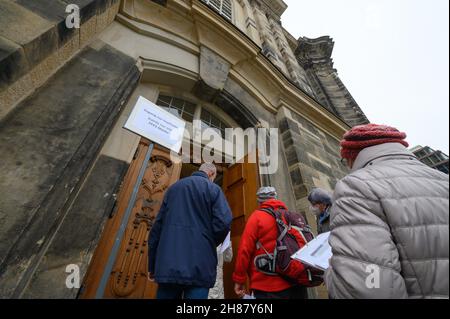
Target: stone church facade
67, 165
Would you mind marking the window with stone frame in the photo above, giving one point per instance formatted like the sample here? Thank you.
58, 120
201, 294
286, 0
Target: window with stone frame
211, 121
178, 107
223, 7
187, 111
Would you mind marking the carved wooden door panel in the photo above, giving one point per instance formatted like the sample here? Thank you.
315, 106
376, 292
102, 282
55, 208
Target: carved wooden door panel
241, 182
129, 275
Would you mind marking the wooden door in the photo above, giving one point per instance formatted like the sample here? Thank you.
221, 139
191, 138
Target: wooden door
241, 182
129, 275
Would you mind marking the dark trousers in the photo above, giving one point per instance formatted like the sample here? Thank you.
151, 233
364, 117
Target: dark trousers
170, 291
297, 292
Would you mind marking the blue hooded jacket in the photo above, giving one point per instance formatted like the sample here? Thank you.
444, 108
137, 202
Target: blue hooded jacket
193, 221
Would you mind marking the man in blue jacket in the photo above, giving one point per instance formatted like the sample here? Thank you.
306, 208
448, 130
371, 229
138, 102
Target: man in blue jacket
193, 221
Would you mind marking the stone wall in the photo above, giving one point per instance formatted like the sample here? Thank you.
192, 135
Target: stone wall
49, 145
313, 158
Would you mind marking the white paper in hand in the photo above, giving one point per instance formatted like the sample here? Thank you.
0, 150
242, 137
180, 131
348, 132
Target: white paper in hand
316, 253
226, 244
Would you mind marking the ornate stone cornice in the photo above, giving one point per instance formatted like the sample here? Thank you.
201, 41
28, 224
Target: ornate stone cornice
311, 52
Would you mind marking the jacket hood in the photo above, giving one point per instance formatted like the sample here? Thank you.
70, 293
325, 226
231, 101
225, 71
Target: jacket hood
274, 204
380, 153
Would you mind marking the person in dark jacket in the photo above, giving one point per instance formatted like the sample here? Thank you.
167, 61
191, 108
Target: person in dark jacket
261, 228
193, 221
321, 203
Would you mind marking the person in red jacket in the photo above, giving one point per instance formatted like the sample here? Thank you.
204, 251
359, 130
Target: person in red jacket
261, 228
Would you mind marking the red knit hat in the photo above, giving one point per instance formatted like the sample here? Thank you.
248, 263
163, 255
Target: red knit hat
363, 136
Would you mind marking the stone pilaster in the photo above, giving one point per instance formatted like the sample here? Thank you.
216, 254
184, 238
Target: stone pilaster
312, 158
250, 22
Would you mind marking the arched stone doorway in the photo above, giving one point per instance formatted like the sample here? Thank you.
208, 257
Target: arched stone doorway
133, 220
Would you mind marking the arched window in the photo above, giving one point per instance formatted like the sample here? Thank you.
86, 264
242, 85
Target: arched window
180, 108
188, 111
211, 121
224, 7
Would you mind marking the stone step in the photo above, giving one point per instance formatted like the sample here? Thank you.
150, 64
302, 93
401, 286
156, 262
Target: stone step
35, 42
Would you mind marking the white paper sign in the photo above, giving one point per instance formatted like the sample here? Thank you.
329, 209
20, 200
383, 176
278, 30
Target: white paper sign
316, 253
156, 124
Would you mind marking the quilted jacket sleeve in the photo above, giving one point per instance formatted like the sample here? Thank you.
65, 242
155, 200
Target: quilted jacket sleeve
365, 262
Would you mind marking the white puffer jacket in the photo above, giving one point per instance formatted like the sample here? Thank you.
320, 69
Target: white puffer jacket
390, 229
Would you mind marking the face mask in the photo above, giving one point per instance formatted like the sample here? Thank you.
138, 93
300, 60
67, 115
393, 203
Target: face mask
315, 210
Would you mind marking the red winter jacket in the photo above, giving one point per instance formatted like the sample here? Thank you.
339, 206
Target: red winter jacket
260, 227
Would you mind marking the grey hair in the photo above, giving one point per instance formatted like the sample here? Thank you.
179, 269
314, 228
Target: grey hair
208, 168
320, 196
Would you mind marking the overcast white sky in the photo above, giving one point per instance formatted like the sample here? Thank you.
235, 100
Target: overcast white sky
393, 56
